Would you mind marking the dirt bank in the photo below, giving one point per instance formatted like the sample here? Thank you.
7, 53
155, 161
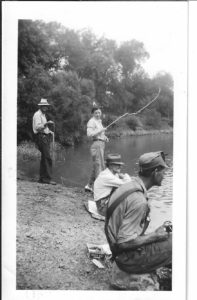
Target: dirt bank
53, 229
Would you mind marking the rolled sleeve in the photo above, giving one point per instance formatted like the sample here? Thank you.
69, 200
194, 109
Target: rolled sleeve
92, 132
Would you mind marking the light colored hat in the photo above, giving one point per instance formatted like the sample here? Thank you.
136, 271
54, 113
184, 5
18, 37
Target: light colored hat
44, 102
114, 159
152, 160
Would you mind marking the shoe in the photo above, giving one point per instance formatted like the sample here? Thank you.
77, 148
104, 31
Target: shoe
88, 189
52, 182
47, 181
41, 181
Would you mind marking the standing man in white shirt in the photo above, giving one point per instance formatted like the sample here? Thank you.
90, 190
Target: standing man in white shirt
96, 131
108, 181
42, 133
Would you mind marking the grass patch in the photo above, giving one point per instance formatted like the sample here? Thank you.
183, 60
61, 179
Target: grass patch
27, 151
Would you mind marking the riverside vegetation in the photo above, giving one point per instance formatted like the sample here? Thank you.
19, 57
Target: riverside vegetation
74, 69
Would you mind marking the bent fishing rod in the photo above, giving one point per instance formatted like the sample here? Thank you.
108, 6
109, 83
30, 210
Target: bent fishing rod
137, 112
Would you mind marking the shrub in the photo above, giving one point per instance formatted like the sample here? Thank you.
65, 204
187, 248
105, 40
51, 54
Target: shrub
108, 119
27, 151
133, 122
153, 119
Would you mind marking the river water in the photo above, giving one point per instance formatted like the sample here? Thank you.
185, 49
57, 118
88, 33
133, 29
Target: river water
73, 167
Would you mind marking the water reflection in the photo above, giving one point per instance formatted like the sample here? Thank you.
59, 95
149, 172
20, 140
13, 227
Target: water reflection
74, 166
161, 199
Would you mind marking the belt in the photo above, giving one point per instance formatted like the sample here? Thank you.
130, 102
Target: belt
41, 133
95, 140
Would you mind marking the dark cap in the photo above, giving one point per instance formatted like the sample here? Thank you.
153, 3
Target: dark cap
114, 159
152, 160
95, 108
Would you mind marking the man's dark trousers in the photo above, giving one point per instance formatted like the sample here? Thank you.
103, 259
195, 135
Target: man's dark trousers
147, 258
43, 143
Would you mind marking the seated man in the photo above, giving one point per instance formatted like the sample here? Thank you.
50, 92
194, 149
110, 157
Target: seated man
127, 219
108, 180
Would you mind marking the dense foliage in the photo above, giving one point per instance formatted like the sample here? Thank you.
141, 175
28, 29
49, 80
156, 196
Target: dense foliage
74, 69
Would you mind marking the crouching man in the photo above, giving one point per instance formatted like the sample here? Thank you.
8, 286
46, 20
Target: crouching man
108, 181
127, 219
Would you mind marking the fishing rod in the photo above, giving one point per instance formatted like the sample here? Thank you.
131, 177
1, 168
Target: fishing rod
137, 112
140, 110
53, 144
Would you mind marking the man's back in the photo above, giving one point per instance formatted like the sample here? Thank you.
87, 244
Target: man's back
127, 220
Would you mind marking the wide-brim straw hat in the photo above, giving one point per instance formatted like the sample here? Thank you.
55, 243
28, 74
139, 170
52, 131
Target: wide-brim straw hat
43, 102
114, 159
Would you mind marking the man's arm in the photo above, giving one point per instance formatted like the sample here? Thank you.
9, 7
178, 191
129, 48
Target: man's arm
113, 181
125, 177
91, 132
157, 236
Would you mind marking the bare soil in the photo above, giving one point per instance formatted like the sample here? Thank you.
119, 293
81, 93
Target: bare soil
53, 229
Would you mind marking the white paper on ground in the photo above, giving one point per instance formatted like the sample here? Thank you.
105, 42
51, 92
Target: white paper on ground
98, 263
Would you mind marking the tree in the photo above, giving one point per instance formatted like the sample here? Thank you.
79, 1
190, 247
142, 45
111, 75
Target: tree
34, 47
130, 54
30, 90
165, 105
73, 69
71, 107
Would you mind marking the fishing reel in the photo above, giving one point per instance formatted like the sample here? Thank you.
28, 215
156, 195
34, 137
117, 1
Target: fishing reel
168, 226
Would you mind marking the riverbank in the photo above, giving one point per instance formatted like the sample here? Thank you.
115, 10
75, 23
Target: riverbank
53, 229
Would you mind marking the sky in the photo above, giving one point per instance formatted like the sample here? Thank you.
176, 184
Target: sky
161, 26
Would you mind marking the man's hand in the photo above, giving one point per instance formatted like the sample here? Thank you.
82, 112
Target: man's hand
102, 130
121, 176
49, 122
161, 232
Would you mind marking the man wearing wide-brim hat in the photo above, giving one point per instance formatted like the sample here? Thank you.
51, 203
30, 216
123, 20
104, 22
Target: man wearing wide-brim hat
109, 180
127, 219
43, 138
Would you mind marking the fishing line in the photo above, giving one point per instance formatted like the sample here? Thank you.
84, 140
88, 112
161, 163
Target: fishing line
53, 144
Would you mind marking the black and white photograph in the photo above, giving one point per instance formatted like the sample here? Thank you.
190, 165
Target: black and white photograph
94, 114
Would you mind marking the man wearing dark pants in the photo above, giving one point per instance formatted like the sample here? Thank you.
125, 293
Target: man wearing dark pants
127, 219
43, 138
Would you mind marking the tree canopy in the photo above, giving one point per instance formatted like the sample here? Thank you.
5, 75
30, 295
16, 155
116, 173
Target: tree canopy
73, 69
